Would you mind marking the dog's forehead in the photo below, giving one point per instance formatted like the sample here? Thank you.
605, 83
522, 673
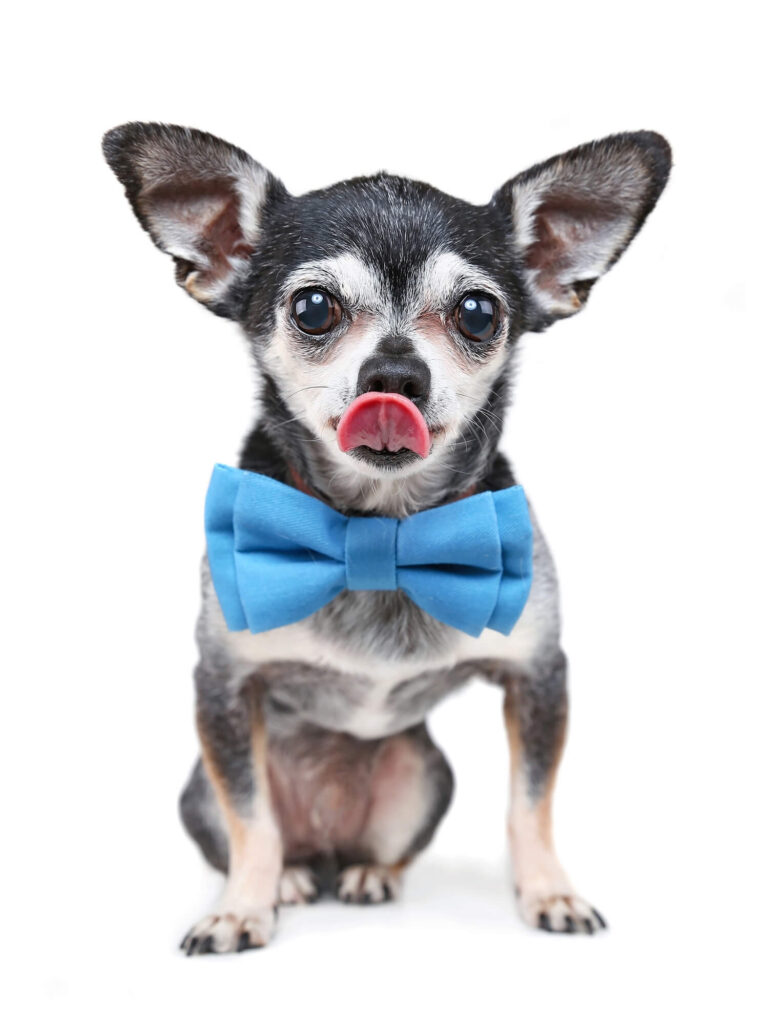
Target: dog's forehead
386, 238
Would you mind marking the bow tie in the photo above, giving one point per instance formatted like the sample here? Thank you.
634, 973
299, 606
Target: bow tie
278, 555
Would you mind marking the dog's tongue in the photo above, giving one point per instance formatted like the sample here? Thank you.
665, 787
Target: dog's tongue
382, 420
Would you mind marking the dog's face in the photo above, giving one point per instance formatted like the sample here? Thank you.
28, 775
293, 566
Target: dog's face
382, 312
389, 287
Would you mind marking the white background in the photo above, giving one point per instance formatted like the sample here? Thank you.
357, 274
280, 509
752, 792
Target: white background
639, 429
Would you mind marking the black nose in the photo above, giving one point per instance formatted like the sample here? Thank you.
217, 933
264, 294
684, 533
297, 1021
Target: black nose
403, 374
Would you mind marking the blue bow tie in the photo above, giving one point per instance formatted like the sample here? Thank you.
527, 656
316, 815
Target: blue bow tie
278, 555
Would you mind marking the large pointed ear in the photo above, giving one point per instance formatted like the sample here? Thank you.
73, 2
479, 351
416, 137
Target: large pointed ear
572, 216
199, 198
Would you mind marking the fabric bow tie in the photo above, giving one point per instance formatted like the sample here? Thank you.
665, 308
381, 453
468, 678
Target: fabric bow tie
278, 555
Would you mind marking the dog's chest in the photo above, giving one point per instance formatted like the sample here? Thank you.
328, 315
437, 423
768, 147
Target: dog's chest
346, 687
364, 706
369, 664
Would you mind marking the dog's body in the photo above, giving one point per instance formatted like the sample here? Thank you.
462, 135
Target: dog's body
313, 735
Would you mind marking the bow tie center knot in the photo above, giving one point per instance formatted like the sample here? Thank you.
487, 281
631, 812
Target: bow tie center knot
370, 553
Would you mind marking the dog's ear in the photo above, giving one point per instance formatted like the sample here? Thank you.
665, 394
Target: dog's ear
572, 216
200, 199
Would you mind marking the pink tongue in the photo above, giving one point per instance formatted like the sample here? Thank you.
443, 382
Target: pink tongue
383, 420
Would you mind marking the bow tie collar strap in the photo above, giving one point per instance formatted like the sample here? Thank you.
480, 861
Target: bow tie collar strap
277, 555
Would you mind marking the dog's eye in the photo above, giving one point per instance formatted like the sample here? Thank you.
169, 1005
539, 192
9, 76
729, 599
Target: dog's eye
315, 312
477, 317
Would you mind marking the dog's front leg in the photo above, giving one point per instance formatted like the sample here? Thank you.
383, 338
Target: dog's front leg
535, 713
231, 726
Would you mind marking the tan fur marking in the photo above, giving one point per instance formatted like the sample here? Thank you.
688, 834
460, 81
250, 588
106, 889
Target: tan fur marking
254, 841
537, 870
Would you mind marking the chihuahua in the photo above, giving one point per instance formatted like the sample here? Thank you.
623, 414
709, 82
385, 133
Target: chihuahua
316, 764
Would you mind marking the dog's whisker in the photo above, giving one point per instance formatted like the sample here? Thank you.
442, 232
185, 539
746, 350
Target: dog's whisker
309, 387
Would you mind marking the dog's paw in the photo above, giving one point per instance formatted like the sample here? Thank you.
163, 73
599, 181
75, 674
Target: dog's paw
368, 883
230, 933
560, 912
297, 885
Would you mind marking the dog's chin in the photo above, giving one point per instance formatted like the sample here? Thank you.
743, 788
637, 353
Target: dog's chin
385, 461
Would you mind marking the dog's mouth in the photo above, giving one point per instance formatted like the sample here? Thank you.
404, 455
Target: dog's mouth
385, 429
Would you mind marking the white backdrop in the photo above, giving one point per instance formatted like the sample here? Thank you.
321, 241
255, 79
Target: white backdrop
639, 428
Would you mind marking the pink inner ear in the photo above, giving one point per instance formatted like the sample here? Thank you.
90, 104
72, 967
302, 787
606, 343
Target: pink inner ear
198, 222
224, 235
573, 234
564, 223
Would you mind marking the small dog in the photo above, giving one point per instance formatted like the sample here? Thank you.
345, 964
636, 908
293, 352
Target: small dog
314, 745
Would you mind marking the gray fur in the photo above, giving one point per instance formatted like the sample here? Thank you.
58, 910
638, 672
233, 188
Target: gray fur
384, 623
202, 818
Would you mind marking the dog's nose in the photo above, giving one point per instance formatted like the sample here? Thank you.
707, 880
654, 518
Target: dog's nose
400, 374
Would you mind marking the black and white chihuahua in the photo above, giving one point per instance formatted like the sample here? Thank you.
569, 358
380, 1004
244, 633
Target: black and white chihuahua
314, 746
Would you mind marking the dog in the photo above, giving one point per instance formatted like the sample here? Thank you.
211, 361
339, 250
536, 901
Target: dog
315, 754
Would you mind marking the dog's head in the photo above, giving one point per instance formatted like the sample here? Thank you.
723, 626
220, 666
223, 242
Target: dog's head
382, 313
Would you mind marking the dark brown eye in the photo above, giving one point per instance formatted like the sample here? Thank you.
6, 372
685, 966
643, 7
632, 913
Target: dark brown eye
477, 317
315, 312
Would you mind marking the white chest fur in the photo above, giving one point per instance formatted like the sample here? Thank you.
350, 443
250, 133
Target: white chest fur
369, 711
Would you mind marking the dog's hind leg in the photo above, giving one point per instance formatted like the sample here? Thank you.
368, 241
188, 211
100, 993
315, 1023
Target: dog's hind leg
203, 819
411, 789
535, 713
234, 755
